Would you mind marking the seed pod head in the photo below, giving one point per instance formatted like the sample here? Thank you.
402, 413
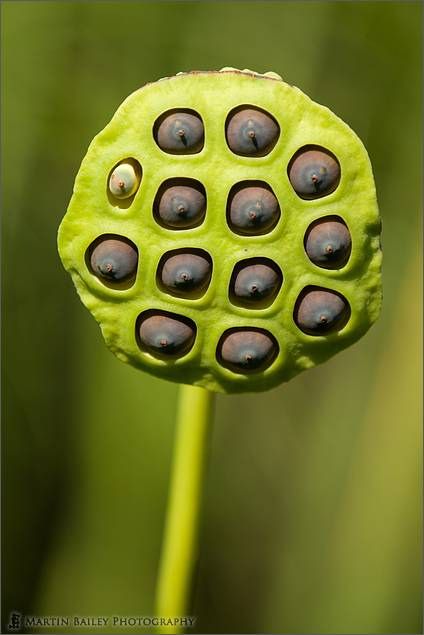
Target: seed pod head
314, 172
124, 180
251, 131
180, 204
165, 334
252, 209
113, 258
185, 275
255, 282
247, 350
320, 311
179, 132
328, 243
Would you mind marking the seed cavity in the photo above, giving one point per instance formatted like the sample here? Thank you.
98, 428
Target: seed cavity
165, 335
180, 204
321, 311
113, 259
328, 243
255, 283
251, 131
179, 132
247, 350
314, 172
252, 208
185, 272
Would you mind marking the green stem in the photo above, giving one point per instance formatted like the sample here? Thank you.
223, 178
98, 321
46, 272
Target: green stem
179, 550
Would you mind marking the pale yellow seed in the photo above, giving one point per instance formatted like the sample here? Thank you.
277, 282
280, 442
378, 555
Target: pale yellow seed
124, 181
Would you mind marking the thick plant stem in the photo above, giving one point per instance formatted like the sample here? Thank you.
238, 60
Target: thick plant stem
179, 549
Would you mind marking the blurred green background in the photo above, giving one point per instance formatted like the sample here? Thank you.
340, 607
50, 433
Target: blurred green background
312, 509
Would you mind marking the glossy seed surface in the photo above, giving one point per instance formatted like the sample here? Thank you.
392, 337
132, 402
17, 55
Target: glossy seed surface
166, 334
255, 282
180, 204
125, 179
180, 132
247, 351
321, 311
113, 259
252, 209
314, 172
251, 132
328, 243
186, 273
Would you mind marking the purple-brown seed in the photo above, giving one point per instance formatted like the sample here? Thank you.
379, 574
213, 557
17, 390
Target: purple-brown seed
246, 351
180, 204
186, 273
179, 132
252, 209
314, 172
255, 282
251, 131
166, 334
328, 242
321, 311
113, 258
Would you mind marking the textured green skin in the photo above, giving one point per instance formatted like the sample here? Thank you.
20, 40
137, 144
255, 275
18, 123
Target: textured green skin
129, 134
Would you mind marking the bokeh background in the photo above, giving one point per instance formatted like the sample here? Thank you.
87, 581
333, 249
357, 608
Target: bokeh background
312, 511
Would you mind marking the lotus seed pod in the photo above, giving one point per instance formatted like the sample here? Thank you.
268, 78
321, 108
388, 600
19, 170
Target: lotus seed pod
328, 243
125, 179
319, 311
251, 132
113, 259
314, 172
186, 273
247, 351
179, 132
301, 203
166, 335
180, 204
255, 282
252, 209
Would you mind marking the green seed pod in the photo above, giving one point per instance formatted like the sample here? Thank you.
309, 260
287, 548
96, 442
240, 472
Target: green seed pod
299, 199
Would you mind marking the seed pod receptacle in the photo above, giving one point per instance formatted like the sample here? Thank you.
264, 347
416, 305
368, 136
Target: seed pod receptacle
132, 138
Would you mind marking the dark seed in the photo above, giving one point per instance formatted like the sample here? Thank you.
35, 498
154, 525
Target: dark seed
166, 334
179, 132
314, 172
252, 209
113, 259
247, 350
180, 204
328, 243
185, 273
251, 132
255, 282
321, 311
